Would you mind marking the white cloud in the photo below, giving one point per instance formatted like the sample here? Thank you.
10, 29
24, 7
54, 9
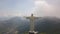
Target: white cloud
47, 8
41, 8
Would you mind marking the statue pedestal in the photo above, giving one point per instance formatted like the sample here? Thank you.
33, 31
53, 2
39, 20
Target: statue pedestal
33, 32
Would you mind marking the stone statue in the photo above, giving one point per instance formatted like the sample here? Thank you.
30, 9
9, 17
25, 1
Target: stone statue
32, 18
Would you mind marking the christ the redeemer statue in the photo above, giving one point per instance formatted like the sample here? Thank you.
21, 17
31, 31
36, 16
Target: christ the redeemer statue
32, 18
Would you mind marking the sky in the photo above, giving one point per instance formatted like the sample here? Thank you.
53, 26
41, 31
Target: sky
26, 7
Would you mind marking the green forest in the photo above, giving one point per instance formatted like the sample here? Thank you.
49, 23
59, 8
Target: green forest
42, 25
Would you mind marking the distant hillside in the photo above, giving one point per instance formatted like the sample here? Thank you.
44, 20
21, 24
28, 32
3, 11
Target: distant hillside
45, 24
49, 25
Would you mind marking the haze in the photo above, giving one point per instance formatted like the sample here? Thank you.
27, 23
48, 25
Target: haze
26, 7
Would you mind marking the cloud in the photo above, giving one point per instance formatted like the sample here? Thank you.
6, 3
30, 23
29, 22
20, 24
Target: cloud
26, 7
47, 8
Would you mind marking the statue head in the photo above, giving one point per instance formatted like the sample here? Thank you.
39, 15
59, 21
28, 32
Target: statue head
31, 14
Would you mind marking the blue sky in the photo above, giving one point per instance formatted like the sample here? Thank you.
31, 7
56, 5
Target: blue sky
11, 7
26, 7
